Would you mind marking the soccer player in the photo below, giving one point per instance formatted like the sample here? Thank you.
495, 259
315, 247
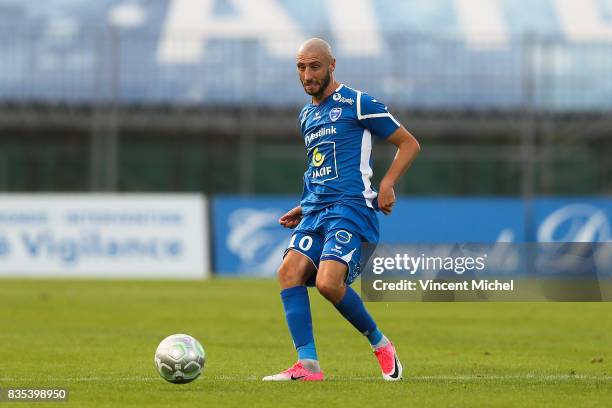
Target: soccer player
338, 208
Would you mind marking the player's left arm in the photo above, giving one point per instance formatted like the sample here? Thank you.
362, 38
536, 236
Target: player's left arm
374, 116
407, 150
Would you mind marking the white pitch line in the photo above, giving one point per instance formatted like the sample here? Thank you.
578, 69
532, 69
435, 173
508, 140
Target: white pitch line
545, 377
552, 377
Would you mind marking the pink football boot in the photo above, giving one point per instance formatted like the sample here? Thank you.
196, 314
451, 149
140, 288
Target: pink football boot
296, 373
389, 363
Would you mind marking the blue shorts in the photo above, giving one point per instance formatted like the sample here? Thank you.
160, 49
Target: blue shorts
335, 233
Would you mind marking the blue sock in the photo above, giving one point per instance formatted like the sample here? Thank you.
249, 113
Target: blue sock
299, 320
352, 308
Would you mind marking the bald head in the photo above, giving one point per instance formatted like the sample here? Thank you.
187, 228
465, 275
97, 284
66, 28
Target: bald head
315, 64
316, 47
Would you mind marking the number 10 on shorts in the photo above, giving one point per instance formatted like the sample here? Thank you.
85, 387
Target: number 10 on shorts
304, 243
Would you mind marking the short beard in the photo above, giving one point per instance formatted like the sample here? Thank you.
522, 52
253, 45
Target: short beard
324, 84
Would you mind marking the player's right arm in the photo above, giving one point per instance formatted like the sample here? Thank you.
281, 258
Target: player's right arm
291, 218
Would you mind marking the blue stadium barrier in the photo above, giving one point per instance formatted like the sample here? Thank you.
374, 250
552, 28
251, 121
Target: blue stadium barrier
247, 239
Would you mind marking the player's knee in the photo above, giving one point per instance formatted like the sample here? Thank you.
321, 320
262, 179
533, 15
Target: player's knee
328, 288
286, 272
290, 275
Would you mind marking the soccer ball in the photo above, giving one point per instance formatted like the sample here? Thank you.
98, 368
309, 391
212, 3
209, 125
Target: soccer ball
179, 359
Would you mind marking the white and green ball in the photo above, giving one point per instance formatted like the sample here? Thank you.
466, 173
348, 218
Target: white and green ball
179, 359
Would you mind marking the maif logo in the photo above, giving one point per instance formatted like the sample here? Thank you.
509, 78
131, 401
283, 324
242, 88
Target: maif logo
323, 162
317, 158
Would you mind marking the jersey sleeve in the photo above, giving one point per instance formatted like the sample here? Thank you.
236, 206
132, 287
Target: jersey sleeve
375, 117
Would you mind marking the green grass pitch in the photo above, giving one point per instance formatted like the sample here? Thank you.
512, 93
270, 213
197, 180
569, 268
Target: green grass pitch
97, 338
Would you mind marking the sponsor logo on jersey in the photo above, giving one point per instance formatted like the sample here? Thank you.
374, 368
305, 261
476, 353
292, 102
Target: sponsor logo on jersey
319, 133
317, 116
317, 158
335, 113
321, 173
339, 98
322, 162
343, 236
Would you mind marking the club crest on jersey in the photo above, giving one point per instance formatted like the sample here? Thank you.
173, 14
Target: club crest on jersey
335, 113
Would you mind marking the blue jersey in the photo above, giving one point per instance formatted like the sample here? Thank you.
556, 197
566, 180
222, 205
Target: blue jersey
338, 137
